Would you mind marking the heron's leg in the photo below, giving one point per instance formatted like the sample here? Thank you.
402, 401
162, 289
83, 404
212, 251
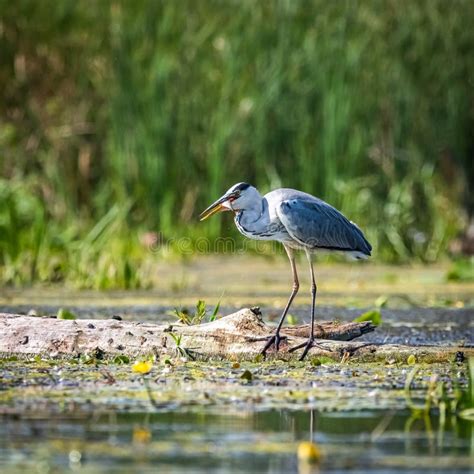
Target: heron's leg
310, 343
296, 284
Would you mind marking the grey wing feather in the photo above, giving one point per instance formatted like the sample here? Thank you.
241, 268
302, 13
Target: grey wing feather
316, 224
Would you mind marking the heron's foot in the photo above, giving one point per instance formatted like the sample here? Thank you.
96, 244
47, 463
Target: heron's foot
273, 340
307, 346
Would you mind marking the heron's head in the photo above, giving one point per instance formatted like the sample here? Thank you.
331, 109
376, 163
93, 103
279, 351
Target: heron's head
239, 197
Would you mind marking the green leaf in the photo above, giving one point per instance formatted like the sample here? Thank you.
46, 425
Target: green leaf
216, 309
183, 316
411, 360
121, 359
176, 338
200, 308
247, 375
316, 361
374, 315
461, 271
381, 301
291, 320
65, 314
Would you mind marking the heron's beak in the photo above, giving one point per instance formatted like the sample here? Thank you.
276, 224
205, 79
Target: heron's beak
216, 207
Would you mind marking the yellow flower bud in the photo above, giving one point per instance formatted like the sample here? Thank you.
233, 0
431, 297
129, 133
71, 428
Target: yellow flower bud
142, 367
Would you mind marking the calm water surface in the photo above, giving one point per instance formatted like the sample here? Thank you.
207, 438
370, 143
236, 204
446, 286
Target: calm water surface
239, 442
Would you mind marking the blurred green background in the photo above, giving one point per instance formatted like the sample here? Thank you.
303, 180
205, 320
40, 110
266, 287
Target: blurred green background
122, 119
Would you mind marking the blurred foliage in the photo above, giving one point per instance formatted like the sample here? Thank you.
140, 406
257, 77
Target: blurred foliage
374, 316
461, 270
120, 117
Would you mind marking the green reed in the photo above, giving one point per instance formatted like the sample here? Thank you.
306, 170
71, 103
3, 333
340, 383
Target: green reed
146, 111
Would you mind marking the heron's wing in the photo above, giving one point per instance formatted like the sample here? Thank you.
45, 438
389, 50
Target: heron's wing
316, 224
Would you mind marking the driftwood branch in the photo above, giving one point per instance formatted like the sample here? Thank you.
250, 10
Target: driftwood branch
239, 336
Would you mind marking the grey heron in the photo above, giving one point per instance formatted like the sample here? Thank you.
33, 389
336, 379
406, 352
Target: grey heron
299, 221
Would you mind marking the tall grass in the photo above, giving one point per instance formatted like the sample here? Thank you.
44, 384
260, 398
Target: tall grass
156, 107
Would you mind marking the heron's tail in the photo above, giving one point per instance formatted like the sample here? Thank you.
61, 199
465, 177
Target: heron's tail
363, 249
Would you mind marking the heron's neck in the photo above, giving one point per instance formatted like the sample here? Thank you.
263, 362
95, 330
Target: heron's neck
254, 213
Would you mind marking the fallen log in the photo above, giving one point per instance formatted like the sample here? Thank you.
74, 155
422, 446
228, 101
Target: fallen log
239, 336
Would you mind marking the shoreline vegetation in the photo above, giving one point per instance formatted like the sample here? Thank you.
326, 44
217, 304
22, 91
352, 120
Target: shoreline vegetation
119, 122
